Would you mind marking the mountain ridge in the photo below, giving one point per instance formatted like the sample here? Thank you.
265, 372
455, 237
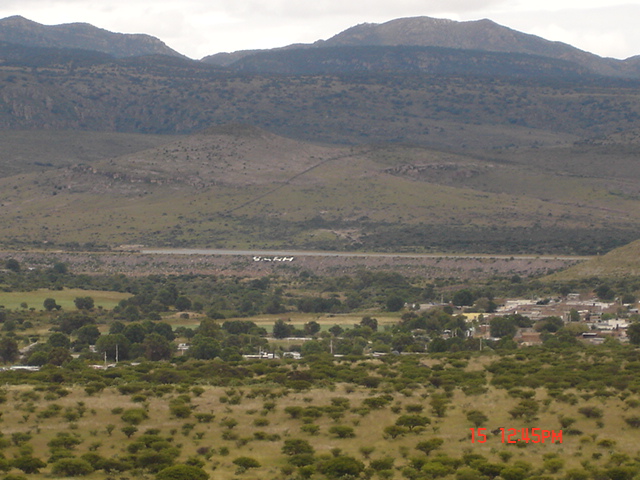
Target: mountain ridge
478, 35
19, 30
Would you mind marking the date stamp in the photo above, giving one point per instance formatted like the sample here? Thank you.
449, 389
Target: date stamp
515, 435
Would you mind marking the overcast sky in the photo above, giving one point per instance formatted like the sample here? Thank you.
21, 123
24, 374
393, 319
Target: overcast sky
198, 28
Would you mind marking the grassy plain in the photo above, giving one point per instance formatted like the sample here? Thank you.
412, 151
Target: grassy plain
263, 425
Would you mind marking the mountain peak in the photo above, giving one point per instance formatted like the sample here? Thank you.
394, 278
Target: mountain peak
22, 31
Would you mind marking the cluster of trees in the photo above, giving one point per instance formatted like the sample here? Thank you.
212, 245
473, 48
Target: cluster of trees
221, 297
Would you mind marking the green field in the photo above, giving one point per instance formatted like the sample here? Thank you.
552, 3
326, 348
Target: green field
64, 298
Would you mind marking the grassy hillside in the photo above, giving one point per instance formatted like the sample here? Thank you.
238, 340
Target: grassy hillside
619, 263
244, 187
23, 151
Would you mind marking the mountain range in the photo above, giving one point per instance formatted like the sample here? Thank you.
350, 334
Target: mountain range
481, 35
417, 134
417, 32
80, 36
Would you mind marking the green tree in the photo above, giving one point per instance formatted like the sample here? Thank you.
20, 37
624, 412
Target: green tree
281, 329
477, 418
9, 351
71, 467
12, 264
342, 431
412, 421
84, 303
58, 339
246, 463
370, 322
134, 416
428, 446
311, 328
549, 324
60, 268
296, 446
112, 344
157, 347
182, 472
135, 332
59, 356
209, 328
129, 430
527, 408
463, 298
439, 404
88, 334
50, 304
183, 303
204, 348
394, 303
633, 332
28, 464
604, 292
341, 466
502, 327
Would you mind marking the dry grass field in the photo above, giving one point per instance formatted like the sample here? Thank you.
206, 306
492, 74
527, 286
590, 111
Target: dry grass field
261, 424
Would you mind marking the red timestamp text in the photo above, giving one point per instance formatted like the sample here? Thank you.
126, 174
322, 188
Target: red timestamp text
515, 435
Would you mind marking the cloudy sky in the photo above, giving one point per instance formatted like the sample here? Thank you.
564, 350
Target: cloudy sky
202, 27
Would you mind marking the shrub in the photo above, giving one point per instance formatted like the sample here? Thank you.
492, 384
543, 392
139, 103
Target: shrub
180, 410
427, 446
29, 464
382, 463
71, 467
633, 422
246, 463
182, 472
341, 466
590, 411
477, 418
204, 417
342, 431
134, 416
296, 446
412, 421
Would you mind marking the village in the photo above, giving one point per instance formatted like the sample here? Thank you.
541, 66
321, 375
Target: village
599, 320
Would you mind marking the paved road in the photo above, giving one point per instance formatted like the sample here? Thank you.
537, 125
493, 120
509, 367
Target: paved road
301, 253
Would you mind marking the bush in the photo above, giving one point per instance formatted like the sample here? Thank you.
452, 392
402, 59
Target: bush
246, 463
29, 464
180, 410
633, 422
296, 446
590, 411
71, 467
134, 416
341, 466
342, 431
182, 472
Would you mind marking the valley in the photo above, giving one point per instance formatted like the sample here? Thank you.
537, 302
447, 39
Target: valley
361, 258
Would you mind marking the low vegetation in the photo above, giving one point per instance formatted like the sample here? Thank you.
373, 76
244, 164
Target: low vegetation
133, 406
